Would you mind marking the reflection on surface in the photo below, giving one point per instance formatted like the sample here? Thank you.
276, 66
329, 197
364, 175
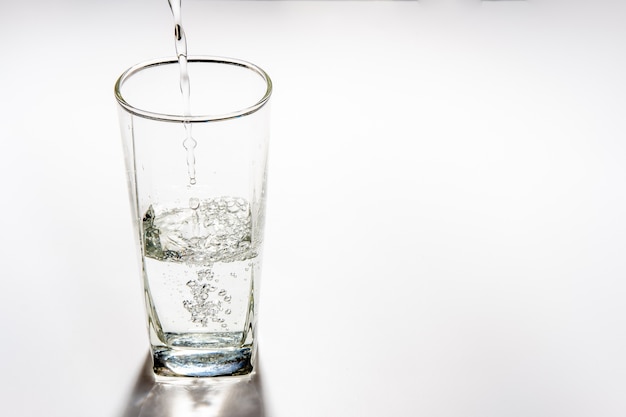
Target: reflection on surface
234, 396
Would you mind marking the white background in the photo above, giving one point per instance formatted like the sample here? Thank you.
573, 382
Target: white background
446, 229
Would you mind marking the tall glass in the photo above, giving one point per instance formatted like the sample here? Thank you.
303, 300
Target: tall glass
196, 177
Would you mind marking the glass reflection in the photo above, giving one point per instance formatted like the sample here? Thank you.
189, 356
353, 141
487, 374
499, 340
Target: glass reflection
233, 396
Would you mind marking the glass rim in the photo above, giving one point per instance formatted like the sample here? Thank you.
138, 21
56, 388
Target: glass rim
197, 118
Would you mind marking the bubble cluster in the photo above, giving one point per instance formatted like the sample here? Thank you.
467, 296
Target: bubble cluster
208, 231
205, 308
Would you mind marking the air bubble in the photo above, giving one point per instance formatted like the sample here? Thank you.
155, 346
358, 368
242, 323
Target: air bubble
205, 274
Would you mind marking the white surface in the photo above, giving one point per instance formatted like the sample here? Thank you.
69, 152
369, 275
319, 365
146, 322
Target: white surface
446, 229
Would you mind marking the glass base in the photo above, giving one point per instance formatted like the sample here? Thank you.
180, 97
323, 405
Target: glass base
202, 363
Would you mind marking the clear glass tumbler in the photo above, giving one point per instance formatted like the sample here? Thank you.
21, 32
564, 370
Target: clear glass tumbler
197, 182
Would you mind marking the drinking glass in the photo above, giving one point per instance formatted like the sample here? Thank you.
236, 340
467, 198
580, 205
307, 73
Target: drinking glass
196, 170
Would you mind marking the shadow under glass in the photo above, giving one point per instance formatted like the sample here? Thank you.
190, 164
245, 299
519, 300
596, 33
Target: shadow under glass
232, 396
